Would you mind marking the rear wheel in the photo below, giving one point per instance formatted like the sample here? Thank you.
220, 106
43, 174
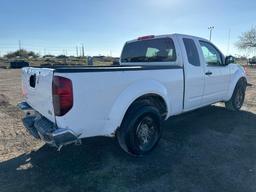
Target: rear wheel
140, 130
237, 99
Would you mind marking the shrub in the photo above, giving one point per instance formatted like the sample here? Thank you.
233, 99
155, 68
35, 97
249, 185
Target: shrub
22, 53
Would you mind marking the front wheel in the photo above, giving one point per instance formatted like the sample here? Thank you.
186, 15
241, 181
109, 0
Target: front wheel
237, 99
141, 129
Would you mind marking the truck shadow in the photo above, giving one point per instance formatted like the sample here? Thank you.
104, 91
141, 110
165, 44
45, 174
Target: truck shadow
210, 149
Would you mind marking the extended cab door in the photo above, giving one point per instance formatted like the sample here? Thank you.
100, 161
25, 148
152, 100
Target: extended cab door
193, 73
217, 74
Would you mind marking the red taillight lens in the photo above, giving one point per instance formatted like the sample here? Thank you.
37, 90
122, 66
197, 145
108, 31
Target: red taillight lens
146, 37
62, 93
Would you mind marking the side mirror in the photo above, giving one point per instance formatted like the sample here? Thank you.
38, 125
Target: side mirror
229, 59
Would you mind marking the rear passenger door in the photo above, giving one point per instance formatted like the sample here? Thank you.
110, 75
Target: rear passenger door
194, 74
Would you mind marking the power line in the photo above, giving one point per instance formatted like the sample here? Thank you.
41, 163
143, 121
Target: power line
20, 44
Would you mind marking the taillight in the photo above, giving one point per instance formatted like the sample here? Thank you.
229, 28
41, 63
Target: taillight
146, 37
62, 93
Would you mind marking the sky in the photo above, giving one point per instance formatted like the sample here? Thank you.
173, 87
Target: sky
102, 26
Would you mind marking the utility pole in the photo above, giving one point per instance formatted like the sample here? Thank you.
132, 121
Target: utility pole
19, 45
76, 51
211, 28
83, 50
229, 32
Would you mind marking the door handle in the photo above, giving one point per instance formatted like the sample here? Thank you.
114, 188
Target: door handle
208, 73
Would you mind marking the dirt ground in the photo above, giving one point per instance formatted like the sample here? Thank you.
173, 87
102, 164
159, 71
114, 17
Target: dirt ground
210, 149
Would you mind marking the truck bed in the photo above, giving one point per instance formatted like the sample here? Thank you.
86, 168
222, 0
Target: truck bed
79, 68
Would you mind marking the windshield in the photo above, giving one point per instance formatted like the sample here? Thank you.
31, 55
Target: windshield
153, 50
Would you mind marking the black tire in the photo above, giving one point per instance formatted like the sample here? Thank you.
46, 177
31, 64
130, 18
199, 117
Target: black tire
237, 99
141, 128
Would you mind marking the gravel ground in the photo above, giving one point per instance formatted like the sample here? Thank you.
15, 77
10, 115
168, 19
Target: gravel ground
209, 149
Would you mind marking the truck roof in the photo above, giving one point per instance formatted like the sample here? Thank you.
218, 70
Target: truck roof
166, 35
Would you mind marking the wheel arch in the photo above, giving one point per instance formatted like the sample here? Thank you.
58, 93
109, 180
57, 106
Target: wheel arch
154, 99
152, 90
233, 82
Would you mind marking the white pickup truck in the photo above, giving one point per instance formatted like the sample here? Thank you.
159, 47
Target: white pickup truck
158, 77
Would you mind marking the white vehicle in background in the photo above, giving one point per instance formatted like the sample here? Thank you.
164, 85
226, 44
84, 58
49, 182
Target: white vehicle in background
158, 77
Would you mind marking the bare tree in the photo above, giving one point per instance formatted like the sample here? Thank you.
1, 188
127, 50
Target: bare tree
247, 41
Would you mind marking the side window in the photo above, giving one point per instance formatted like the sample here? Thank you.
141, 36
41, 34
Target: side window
192, 52
211, 55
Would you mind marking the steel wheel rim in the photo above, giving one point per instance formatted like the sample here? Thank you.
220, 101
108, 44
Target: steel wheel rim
239, 98
147, 133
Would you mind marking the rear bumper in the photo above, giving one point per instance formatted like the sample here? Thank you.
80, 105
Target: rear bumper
41, 128
249, 85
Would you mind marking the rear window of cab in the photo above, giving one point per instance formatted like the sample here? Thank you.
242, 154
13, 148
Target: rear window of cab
152, 50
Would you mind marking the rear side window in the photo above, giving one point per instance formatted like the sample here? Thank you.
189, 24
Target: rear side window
153, 50
192, 52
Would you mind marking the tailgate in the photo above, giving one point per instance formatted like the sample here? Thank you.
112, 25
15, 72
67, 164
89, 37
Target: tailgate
37, 90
